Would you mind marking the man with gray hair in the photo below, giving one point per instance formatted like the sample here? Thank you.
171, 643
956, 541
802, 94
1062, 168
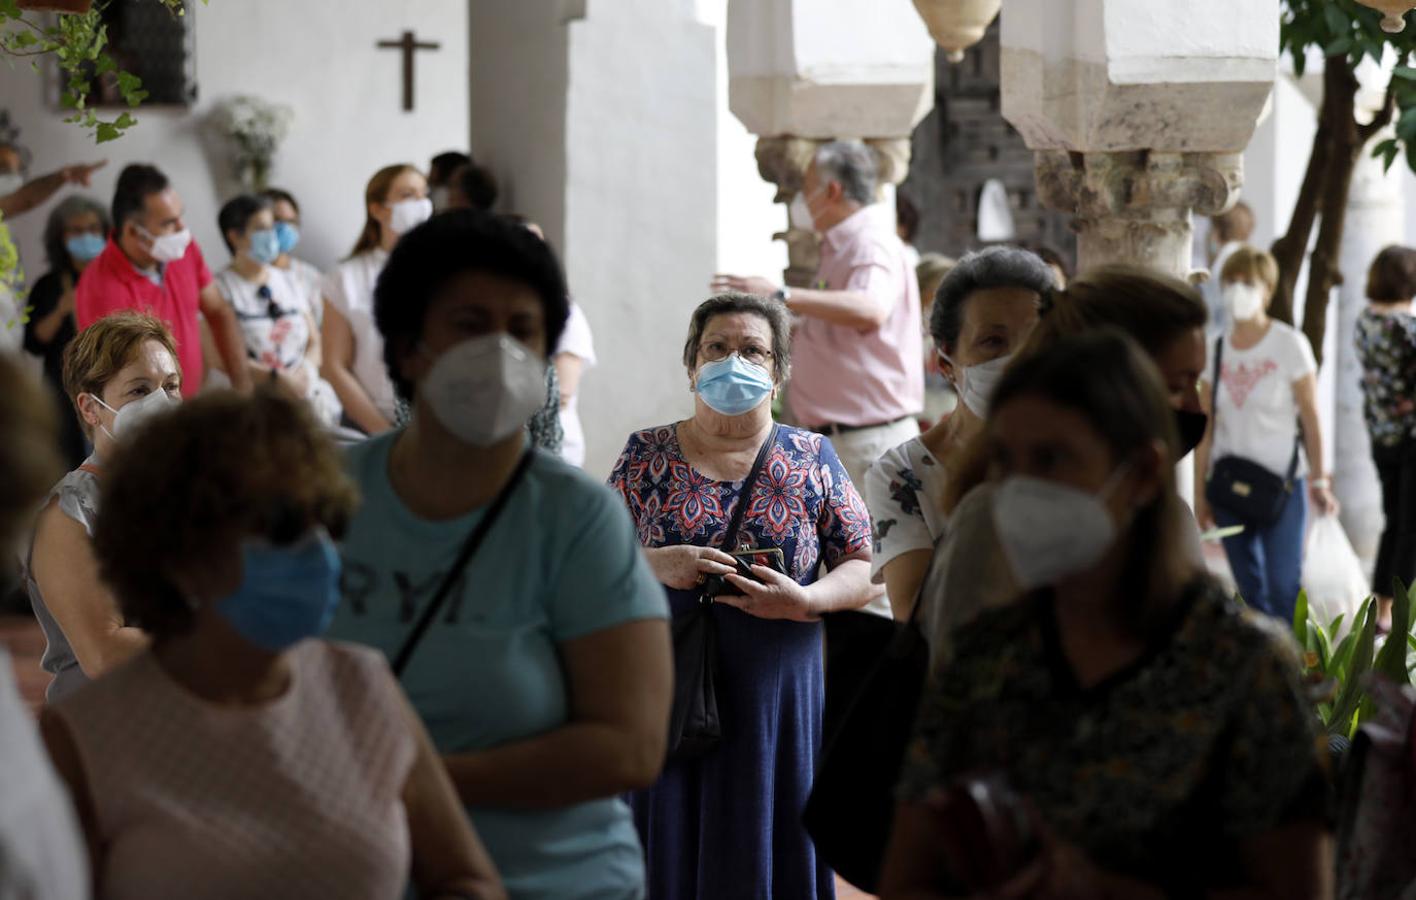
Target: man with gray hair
857, 351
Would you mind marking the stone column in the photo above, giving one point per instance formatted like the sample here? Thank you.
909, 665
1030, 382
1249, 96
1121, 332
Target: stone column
1138, 111
1135, 206
798, 78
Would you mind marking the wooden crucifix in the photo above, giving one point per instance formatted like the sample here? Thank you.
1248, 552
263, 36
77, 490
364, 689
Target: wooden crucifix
409, 45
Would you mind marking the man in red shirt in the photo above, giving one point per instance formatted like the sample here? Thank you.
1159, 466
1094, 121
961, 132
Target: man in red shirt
152, 265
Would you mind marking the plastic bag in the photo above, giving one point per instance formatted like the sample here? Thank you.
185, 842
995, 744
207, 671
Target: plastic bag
1332, 575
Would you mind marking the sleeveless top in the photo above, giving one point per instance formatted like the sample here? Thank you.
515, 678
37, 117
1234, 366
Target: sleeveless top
77, 495
297, 798
350, 288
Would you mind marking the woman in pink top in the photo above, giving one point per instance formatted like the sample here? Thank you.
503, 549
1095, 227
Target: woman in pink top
239, 757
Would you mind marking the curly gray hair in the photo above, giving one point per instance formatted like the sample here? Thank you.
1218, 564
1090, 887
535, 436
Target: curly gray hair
994, 267
774, 311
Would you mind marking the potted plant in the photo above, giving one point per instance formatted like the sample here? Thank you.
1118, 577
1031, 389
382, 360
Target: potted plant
254, 129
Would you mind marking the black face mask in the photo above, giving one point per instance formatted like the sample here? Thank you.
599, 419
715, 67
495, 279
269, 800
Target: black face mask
1191, 428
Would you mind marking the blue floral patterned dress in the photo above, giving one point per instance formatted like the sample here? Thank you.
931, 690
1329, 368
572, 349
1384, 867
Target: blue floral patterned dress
729, 825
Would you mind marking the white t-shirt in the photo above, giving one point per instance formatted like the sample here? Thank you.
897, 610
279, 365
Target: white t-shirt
350, 288
1256, 417
577, 341
903, 489
310, 282
42, 855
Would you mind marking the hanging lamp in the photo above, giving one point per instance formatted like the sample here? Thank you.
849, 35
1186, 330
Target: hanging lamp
957, 25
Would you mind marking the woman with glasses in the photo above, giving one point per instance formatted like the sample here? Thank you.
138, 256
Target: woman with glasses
282, 338
733, 817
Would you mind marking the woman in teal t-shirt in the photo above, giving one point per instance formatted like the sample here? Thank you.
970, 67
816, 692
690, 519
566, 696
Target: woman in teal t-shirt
545, 677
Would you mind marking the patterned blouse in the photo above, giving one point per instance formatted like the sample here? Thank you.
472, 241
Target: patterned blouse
1386, 345
803, 502
1204, 741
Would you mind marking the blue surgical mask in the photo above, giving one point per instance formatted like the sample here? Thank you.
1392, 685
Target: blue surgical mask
287, 593
289, 235
84, 247
265, 246
732, 386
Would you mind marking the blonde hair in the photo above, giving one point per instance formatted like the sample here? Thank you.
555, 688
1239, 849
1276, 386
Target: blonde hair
376, 191
1252, 263
101, 350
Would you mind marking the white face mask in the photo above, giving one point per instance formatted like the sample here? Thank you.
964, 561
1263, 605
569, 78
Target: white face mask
135, 412
799, 213
976, 384
1245, 301
11, 182
168, 248
486, 389
1049, 531
409, 214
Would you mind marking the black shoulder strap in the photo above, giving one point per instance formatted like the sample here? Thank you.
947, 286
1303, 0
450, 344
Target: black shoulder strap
1214, 388
469, 549
730, 536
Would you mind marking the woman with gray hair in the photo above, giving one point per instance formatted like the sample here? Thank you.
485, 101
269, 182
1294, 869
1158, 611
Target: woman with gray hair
984, 310
75, 234
732, 816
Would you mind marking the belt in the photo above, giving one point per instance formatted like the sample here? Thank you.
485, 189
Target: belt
834, 428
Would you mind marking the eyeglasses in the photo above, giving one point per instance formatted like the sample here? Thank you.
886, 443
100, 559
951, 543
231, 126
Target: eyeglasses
713, 351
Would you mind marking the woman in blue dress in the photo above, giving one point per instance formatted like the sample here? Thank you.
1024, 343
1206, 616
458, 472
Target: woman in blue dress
728, 824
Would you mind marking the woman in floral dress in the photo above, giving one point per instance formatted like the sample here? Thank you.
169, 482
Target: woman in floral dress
1386, 345
728, 824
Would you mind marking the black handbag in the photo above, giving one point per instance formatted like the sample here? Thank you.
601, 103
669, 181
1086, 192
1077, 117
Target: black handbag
1241, 487
874, 681
695, 727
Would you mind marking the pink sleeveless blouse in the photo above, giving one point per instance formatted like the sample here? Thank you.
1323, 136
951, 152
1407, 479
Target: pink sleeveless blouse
299, 798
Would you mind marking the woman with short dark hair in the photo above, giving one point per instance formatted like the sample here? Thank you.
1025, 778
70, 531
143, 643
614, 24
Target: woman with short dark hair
241, 756
714, 825
544, 672
277, 324
983, 311
1386, 345
74, 236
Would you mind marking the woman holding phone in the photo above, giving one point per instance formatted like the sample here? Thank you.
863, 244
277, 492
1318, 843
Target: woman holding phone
683, 483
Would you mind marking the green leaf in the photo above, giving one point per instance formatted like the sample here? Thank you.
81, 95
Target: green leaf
1336, 625
1406, 72
1350, 697
1339, 47
107, 131
1337, 23
1300, 620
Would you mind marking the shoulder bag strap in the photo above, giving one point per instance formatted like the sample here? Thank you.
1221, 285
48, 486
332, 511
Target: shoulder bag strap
745, 496
1214, 388
469, 549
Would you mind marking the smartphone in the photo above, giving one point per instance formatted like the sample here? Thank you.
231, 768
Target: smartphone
771, 557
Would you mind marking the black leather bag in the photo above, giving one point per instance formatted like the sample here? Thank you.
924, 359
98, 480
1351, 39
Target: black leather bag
873, 688
695, 727
1241, 487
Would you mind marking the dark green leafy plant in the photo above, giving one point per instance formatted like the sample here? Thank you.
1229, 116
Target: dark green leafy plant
1341, 673
1345, 33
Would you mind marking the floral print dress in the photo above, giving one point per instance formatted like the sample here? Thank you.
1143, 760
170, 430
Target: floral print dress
729, 824
1160, 771
1386, 345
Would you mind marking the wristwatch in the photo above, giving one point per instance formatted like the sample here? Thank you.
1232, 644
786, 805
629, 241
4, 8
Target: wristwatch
782, 295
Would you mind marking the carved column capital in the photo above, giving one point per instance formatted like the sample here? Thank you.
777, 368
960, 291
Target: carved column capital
892, 159
783, 161
1134, 207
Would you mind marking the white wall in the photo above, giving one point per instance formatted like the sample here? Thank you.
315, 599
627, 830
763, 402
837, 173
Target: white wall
317, 56
600, 119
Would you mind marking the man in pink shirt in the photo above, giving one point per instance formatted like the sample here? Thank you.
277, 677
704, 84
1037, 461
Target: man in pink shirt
857, 350
152, 265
